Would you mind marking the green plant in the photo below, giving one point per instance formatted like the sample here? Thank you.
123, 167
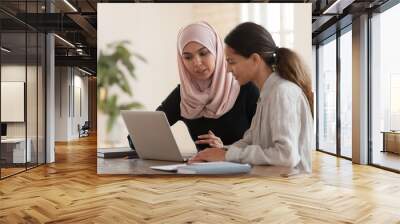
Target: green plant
110, 74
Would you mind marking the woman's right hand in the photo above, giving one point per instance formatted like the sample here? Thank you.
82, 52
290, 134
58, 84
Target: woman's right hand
210, 139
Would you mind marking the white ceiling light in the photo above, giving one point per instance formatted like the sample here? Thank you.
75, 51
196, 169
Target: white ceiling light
86, 72
5, 49
70, 5
64, 40
337, 7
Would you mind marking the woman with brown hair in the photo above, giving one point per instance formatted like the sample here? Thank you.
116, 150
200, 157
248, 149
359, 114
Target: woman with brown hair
216, 109
281, 132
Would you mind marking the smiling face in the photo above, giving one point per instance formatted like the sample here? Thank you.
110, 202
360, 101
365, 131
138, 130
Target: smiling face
242, 68
198, 60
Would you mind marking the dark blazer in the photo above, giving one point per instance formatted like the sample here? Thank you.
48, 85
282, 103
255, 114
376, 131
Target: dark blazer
230, 127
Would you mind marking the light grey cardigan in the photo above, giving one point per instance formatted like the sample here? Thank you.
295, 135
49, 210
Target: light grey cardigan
281, 132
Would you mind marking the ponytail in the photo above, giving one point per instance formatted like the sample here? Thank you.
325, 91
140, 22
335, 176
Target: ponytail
248, 38
291, 67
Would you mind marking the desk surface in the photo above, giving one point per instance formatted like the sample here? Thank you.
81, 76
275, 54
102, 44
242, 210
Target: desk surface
13, 140
142, 167
390, 132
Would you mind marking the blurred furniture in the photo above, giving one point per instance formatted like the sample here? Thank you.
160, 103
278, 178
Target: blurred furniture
84, 130
13, 150
391, 141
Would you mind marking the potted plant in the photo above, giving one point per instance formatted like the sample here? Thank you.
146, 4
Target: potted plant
110, 74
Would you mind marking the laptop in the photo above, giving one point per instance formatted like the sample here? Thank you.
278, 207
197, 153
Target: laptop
152, 136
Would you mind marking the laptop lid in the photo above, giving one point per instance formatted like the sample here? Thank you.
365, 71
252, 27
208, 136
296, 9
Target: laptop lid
151, 135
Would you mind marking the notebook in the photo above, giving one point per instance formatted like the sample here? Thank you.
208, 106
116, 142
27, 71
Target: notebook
207, 168
116, 153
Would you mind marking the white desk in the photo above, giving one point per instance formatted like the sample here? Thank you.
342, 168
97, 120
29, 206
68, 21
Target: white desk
17, 147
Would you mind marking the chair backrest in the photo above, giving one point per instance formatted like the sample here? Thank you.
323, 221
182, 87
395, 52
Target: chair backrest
86, 125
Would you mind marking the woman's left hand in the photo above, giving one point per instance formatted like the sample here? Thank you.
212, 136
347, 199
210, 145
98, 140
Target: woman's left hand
211, 139
209, 155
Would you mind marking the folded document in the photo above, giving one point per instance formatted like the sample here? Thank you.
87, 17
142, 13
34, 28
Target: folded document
207, 168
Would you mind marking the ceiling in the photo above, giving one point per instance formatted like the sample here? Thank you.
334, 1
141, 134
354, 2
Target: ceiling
76, 25
76, 22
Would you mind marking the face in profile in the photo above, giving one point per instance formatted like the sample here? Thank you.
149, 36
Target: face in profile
198, 60
241, 67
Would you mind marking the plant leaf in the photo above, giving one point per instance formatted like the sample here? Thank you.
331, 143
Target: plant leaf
110, 74
131, 106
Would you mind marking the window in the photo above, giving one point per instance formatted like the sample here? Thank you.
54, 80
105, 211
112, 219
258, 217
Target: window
276, 18
327, 96
394, 102
346, 94
22, 67
385, 87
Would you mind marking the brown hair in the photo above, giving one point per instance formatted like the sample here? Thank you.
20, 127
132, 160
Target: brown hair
291, 67
248, 38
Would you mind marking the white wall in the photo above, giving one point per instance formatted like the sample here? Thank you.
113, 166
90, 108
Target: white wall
14, 73
61, 103
153, 34
80, 102
223, 17
302, 32
154, 37
67, 115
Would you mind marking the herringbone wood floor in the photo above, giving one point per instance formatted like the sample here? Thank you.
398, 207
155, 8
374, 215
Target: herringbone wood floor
69, 191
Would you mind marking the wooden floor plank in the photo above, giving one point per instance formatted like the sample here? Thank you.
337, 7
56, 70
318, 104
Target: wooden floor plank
70, 191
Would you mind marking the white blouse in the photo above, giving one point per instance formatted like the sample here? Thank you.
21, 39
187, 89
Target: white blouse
281, 132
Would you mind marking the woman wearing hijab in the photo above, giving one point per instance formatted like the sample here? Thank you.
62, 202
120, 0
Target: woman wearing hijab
281, 131
212, 104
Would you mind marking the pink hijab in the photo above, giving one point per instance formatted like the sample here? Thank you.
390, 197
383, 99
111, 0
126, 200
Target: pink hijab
211, 98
